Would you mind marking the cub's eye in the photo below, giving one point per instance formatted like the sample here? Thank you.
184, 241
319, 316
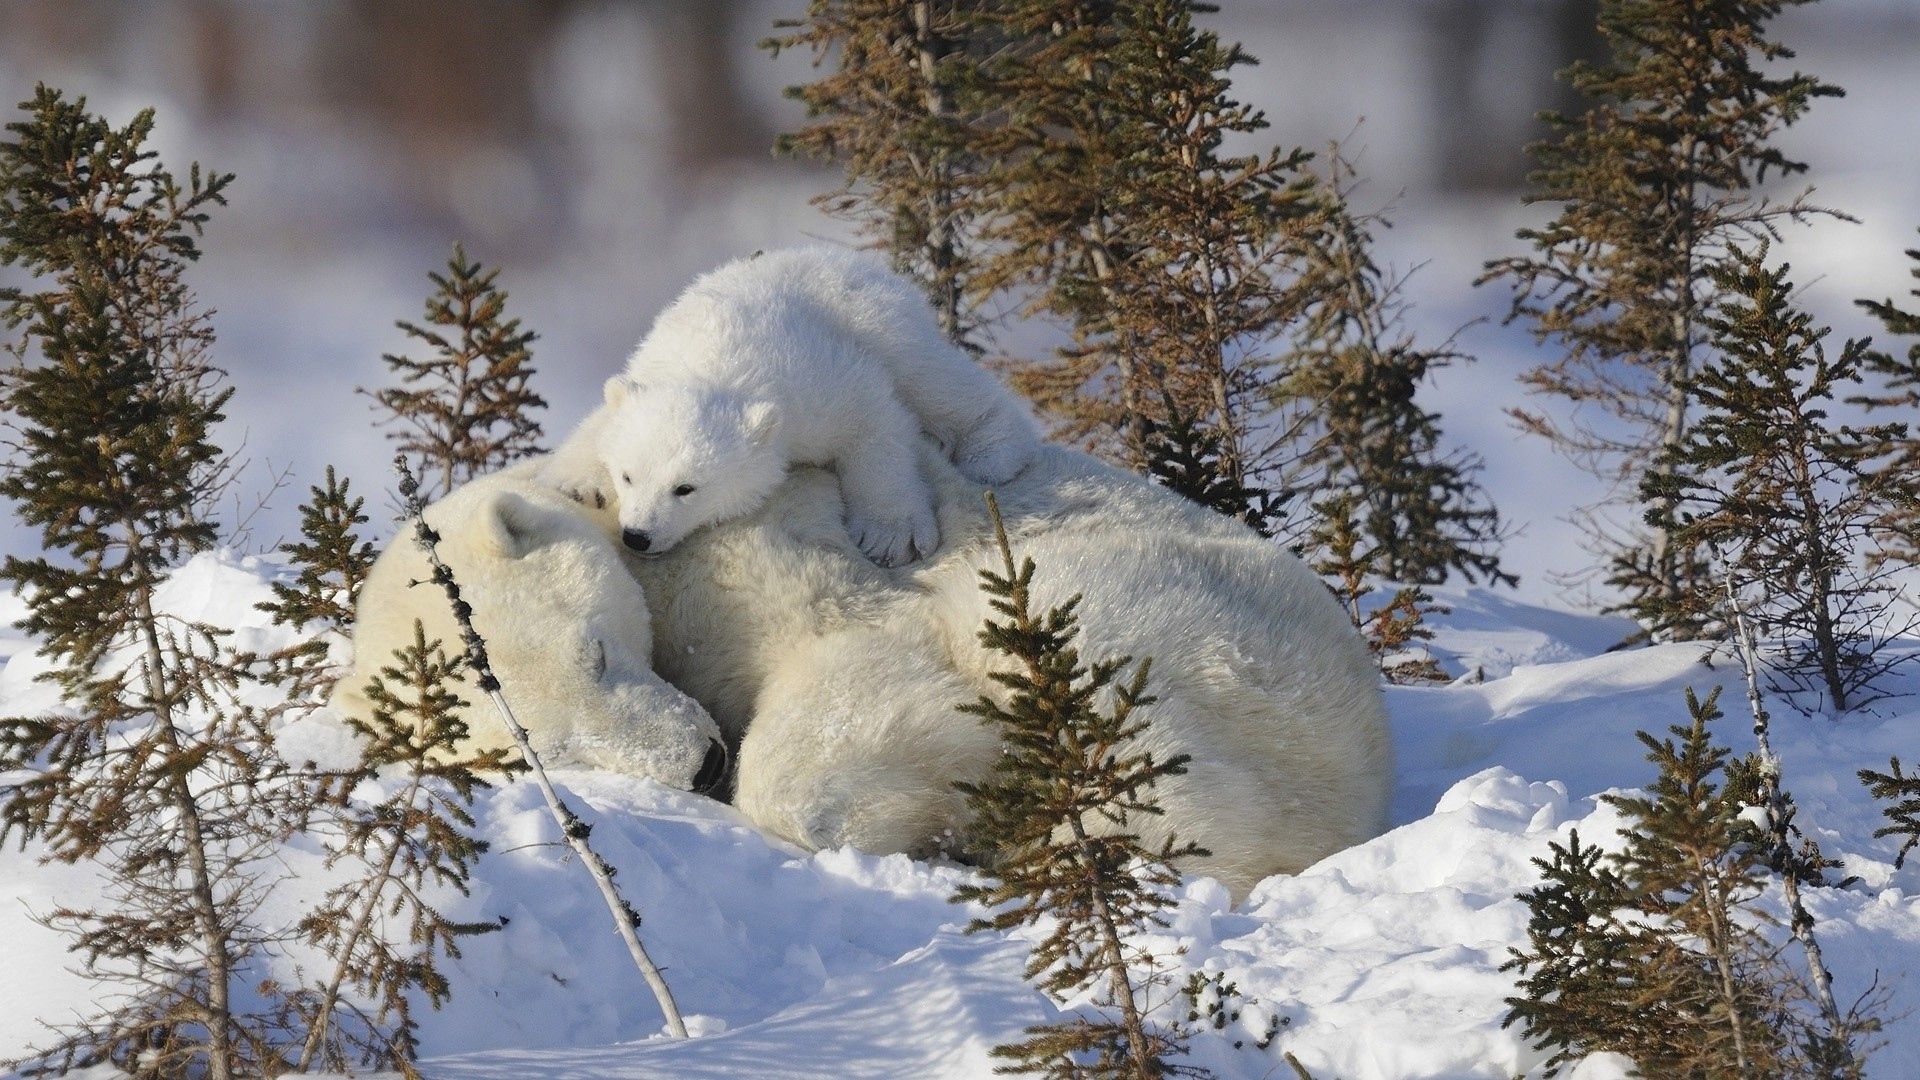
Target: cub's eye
625, 479
684, 490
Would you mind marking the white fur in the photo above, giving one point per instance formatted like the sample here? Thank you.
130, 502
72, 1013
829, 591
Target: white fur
839, 679
566, 627
845, 677
813, 356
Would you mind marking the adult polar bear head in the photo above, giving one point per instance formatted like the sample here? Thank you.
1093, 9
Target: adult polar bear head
567, 631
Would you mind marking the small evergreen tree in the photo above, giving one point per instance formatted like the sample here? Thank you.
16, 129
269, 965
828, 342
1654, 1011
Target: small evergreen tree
1396, 632
1114, 204
1577, 997
331, 562
466, 408
1765, 475
1652, 184
897, 111
1729, 1003
154, 773
1654, 952
1902, 793
331, 558
1055, 813
417, 835
1352, 380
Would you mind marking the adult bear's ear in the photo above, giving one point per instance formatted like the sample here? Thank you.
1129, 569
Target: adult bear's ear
619, 389
512, 527
761, 419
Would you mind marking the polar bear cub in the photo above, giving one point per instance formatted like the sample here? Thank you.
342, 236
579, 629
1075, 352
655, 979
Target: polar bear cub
810, 356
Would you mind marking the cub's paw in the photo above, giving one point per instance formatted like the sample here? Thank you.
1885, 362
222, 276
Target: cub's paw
586, 495
995, 453
895, 541
588, 487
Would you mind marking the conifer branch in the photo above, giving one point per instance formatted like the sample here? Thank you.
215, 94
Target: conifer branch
1896, 446
1396, 632
575, 831
1902, 793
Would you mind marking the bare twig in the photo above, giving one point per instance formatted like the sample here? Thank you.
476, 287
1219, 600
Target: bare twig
575, 831
1780, 815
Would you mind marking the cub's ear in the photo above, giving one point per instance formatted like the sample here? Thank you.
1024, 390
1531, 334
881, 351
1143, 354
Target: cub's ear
619, 389
510, 526
761, 419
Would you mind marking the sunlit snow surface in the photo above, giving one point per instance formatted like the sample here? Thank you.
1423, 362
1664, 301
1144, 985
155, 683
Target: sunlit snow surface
1382, 962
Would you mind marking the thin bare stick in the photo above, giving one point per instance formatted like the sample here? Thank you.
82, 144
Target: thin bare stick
1779, 814
625, 918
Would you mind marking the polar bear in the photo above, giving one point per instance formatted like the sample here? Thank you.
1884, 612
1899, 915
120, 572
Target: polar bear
566, 626
811, 356
841, 678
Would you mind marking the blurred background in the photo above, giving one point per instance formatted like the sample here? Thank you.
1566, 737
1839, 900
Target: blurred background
602, 152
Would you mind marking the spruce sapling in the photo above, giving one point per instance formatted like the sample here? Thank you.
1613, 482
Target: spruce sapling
416, 837
1353, 379
1396, 632
155, 773
1205, 286
1114, 204
331, 557
1054, 814
1764, 474
466, 408
572, 830
331, 561
1652, 183
1653, 952
1713, 978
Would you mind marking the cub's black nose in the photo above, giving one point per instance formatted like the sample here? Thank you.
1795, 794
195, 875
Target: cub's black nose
635, 539
713, 769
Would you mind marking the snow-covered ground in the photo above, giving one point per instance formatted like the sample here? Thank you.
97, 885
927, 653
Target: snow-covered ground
1381, 962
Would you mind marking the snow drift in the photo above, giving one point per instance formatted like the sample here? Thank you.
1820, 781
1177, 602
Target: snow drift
1380, 963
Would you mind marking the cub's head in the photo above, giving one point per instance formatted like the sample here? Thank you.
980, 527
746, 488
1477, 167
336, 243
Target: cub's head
680, 458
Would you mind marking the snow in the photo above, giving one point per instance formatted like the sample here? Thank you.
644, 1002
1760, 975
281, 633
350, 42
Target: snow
1380, 963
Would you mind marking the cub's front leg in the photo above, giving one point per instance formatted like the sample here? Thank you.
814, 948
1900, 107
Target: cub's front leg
890, 513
